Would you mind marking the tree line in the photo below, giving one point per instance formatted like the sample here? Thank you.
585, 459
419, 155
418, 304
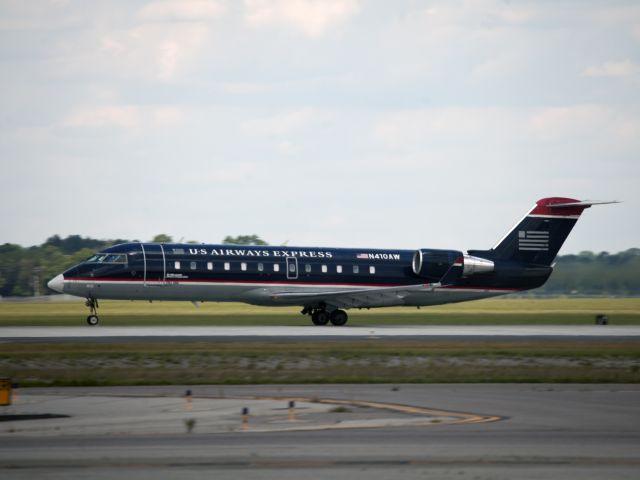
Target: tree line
591, 273
25, 271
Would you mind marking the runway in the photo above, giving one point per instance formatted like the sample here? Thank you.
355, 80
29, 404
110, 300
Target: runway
310, 332
543, 431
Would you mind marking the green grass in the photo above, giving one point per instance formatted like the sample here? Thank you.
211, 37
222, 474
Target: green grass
309, 361
371, 361
503, 311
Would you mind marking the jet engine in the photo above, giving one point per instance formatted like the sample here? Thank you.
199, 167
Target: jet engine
436, 264
433, 264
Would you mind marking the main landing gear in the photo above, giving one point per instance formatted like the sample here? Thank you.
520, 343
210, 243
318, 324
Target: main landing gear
92, 303
320, 316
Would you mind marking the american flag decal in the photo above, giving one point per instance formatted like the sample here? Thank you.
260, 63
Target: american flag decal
362, 255
533, 240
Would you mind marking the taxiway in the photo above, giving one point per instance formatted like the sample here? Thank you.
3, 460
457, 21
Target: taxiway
544, 431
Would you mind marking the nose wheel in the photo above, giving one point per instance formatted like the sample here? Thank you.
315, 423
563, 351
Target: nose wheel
92, 303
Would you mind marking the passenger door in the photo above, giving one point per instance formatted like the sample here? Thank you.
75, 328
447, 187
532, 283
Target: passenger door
155, 264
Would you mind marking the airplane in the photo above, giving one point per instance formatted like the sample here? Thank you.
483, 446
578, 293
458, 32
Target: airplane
326, 282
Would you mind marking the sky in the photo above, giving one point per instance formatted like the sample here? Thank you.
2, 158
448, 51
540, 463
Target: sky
363, 123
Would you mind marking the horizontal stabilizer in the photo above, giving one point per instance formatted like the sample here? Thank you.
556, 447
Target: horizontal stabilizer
582, 203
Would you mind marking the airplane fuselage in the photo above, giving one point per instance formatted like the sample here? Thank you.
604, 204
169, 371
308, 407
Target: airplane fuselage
256, 274
326, 280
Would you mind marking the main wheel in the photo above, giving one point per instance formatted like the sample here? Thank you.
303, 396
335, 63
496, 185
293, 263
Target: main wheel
339, 317
92, 320
320, 317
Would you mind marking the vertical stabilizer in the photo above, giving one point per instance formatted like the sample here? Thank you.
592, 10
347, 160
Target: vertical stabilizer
537, 238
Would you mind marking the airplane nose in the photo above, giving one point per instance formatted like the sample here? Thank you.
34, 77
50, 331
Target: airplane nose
57, 283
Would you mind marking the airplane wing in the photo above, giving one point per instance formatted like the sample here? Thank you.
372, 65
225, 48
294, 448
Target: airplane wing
370, 297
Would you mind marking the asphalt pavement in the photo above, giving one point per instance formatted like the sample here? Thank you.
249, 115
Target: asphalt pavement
541, 431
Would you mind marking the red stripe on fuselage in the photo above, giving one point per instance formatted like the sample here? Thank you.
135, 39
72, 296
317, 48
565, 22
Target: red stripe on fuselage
257, 282
284, 282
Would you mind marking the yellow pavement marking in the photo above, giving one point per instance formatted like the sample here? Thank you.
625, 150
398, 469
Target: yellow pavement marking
463, 417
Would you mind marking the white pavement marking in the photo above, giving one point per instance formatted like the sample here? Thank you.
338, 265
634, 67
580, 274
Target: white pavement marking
312, 331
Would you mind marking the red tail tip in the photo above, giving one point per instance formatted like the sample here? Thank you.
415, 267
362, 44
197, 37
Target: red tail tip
544, 207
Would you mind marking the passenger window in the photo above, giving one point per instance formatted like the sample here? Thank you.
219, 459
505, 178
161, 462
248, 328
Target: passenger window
209, 265
292, 267
324, 269
307, 268
356, 269
193, 265
227, 266
260, 267
243, 266
339, 268
176, 265
372, 270
276, 267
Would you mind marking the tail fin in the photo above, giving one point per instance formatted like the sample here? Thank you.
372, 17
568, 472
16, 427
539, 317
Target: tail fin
537, 238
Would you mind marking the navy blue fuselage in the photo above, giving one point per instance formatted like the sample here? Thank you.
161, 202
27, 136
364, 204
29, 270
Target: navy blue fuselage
153, 262
325, 280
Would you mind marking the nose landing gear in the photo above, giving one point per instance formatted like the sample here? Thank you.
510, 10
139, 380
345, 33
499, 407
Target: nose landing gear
92, 303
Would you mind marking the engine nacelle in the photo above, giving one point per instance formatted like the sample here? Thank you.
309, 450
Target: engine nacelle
435, 264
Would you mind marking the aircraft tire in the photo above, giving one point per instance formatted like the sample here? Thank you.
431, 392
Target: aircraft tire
339, 317
92, 320
320, 317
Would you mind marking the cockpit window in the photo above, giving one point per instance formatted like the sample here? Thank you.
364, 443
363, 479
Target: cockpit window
108, 258
115, 258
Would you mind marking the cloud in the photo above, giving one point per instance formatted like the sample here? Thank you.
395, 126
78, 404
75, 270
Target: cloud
127, 117
182, 10
451, 125
554, 123
281, 124
462, 127
471, 12
621, 69
597, 123
279, 130
42, 15
111, 116
311, 17
159, 50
